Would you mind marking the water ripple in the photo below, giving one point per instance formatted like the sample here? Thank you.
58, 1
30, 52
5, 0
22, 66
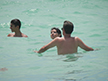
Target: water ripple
95, 35
4, 25
32, 11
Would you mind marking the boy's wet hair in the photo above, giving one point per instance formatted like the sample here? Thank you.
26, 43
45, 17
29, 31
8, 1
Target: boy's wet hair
57, 29
68, 27
16, 22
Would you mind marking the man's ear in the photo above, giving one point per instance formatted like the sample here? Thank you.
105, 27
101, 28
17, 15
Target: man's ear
63, 30
59, 35
17, 27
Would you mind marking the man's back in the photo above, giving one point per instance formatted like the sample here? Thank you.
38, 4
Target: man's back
70, 45
67, 45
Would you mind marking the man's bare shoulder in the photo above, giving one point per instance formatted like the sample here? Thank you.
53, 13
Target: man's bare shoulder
76, 38
10, 34
23, 35
59, 38
13, 35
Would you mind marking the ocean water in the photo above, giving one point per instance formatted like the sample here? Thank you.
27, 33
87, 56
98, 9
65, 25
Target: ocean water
90, 19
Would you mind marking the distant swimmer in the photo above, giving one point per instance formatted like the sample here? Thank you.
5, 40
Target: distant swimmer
15, 26
55, 32
3, 69
66, 44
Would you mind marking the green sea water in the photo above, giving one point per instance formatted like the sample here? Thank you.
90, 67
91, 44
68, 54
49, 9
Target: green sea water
90, 19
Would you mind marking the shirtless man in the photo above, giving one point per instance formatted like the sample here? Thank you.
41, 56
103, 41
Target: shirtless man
66, 44
15, 26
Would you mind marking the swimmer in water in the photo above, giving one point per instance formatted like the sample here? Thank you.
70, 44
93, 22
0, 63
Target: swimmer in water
15, 26
66, 44
3, 69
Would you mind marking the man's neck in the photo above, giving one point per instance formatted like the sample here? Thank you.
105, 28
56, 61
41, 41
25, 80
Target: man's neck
67, 36
18, 33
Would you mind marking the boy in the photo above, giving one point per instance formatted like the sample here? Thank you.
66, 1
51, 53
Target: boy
15, 26
55, 32
66, 44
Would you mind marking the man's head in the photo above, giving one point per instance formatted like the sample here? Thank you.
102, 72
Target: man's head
55, 32
68, 27
15, 23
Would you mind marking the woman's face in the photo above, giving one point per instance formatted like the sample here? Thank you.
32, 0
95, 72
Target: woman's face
54, 34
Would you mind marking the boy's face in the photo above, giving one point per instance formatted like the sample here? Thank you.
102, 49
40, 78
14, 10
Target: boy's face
12, 27
54, 34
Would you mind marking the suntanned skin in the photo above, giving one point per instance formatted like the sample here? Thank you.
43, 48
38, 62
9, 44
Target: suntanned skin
54, 34
17, 35
17, 31
65, 45
3, 69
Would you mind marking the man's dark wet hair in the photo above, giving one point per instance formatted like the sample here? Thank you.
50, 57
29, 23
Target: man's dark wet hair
57, 29
68, 27
16, 22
